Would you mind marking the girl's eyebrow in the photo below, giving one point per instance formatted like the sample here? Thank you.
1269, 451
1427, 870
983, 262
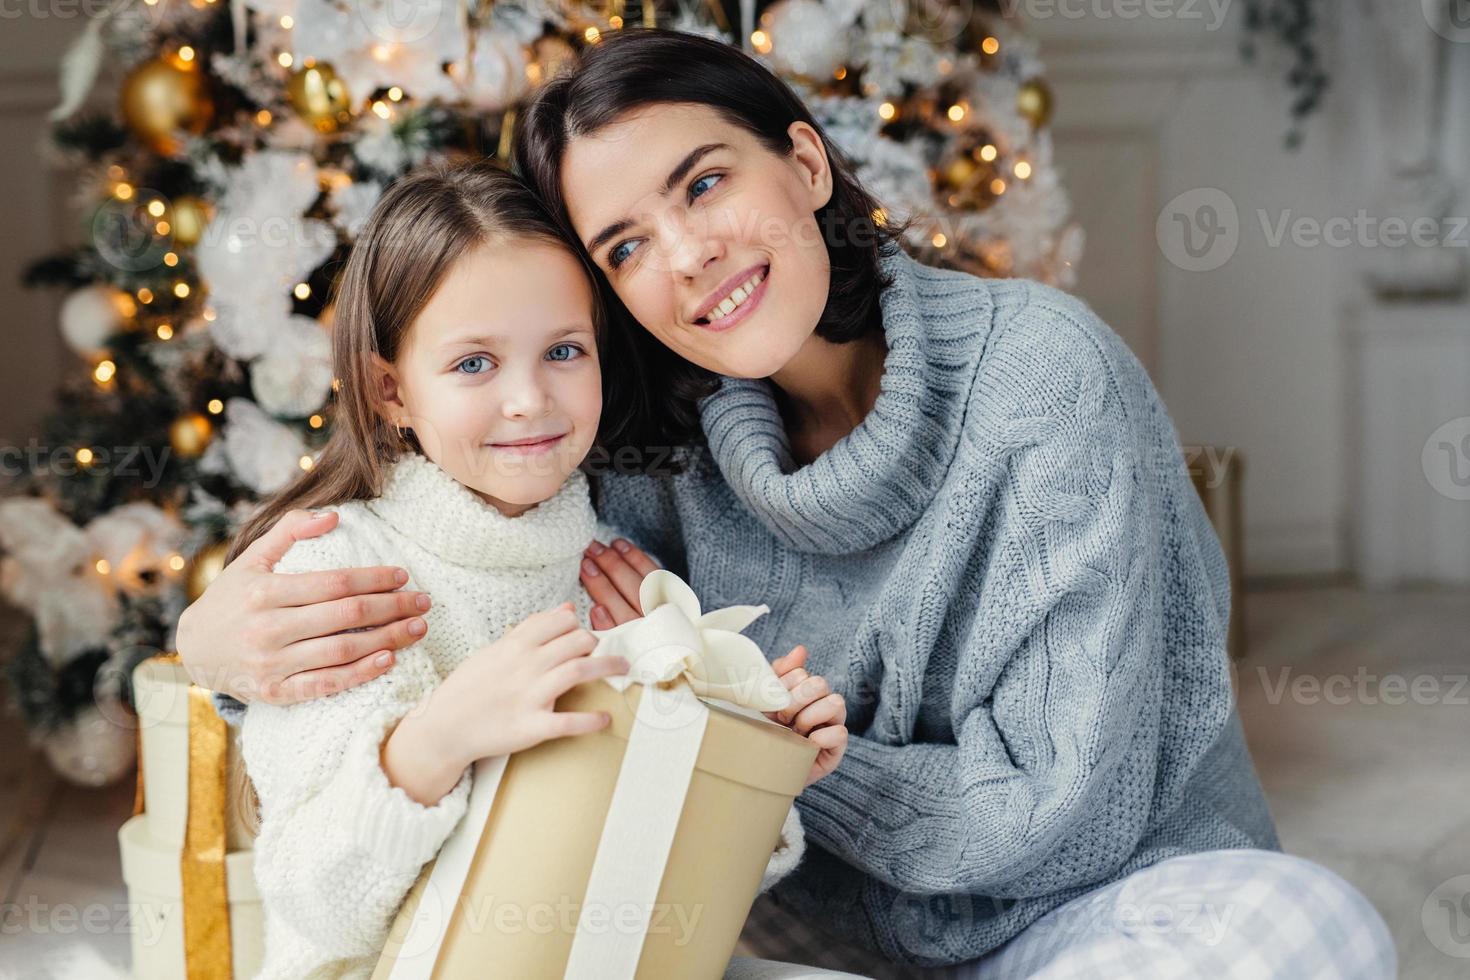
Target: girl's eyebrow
492, 340
681, 169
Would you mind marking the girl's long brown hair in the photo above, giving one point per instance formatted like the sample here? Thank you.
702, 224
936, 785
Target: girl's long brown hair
421, 227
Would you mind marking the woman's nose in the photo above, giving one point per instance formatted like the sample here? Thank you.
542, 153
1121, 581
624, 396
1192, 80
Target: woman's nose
688, 245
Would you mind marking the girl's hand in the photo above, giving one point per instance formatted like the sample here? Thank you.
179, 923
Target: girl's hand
816, 711
611, 577
279, 639
500, 700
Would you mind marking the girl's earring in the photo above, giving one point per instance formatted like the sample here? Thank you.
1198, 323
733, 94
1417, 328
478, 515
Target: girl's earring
399, 427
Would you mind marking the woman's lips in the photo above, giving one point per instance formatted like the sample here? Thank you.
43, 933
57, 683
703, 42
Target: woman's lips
741, 312
529, 448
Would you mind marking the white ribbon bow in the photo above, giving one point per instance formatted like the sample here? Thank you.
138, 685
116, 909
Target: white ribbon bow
675, 638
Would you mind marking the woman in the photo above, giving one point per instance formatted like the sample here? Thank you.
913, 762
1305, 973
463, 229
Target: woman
963, 496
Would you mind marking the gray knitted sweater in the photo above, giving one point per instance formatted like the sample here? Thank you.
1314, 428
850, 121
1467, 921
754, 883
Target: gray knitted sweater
1006, 572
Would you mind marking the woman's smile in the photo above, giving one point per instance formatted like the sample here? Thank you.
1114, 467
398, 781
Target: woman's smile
734, 300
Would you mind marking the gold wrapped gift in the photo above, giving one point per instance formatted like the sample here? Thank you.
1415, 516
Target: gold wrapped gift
635, 851
186, 855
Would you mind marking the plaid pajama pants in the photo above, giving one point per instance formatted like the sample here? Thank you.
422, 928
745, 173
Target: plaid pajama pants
1234, 915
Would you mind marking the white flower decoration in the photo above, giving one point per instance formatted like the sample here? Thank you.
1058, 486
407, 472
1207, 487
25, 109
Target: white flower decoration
674, 638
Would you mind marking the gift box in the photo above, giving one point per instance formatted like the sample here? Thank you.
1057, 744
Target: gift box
186, 856
635, 851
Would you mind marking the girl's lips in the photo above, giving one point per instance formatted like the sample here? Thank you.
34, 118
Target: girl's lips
741, 312
530, 448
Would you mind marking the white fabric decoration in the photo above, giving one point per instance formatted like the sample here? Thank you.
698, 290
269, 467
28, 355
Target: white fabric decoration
353, 203
51, 567
263, 454
294, 376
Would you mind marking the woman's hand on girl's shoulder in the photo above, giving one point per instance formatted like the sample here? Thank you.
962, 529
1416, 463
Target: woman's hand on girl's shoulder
259, 635
612, 576
816, 711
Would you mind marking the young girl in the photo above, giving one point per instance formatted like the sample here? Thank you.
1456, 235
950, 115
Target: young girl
467, 337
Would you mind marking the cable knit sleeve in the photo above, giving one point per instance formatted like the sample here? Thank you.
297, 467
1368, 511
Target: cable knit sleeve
1049, 779
339, 846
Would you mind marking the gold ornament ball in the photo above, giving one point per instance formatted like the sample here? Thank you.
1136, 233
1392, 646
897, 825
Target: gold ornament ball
203, 569
189, 435
164, 98
189, 217
959, 172
320, 97
1034, 102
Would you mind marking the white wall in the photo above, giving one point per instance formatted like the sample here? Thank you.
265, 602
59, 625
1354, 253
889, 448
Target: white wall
33, 218
1246, 355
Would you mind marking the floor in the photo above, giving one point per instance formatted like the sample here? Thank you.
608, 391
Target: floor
1355, 704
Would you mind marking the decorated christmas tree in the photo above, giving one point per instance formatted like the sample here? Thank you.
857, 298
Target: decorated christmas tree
225, 154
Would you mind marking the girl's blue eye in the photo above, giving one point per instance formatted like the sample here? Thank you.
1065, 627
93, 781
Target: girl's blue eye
572, 351
473, 365
706, 182
620, 253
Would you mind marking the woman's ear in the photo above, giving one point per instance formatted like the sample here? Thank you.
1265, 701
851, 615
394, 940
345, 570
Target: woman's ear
809, 154
388, 393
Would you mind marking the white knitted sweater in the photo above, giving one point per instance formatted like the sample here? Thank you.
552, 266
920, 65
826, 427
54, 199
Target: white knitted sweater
339, 846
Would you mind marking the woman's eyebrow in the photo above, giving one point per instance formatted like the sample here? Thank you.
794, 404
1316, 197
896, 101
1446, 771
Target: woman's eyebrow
680, 171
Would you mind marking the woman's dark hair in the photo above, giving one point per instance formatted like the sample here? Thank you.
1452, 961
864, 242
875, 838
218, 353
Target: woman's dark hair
650, 393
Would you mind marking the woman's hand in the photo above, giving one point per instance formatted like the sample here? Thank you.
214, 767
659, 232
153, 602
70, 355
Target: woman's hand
816, 711
612, 577
500, 700
274, 638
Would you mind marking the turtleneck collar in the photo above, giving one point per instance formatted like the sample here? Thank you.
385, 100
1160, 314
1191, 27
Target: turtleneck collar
877, 480
428, 505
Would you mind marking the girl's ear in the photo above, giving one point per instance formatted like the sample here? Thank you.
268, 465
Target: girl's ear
809, 154
389, 392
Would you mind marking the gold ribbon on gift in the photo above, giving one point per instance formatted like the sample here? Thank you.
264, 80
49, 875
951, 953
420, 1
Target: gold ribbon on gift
204, 892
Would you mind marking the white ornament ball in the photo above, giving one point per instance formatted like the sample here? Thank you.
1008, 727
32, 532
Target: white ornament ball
92, 749
807, 39
92, 314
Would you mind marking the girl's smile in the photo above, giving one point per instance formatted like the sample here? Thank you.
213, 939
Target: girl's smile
531, 446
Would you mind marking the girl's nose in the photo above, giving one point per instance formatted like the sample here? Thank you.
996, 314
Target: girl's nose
528, 397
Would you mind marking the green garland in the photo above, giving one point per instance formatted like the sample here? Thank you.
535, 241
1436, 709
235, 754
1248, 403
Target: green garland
1293, 25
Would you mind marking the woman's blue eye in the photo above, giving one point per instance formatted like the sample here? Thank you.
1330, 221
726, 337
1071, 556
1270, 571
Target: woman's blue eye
705, 182
620, 253
473, 365
572, 351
